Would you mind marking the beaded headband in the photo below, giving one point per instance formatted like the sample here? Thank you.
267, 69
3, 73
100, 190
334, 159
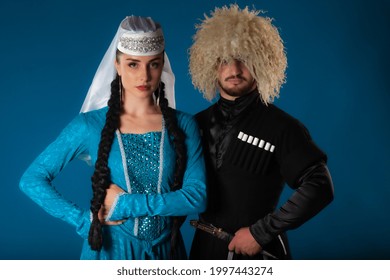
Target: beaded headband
149, 43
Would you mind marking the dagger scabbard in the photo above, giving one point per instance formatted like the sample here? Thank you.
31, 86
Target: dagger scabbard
221, 234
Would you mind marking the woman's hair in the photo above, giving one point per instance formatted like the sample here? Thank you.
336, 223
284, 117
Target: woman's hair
101, 178
178, 138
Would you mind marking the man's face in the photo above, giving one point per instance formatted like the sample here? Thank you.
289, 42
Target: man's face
234, 80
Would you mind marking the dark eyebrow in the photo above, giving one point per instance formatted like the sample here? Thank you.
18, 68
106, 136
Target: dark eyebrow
132, 59
136, 60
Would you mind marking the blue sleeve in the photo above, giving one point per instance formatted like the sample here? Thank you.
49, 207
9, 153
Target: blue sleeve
190, 199
36, 182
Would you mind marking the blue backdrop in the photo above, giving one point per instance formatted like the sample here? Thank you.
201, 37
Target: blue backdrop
337, 85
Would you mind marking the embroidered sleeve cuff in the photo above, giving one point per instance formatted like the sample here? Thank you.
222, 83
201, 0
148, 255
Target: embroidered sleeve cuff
116, 212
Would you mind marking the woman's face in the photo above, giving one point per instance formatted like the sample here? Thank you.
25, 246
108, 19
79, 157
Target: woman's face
140, 74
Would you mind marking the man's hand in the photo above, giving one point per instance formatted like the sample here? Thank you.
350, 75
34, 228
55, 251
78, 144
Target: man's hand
244, 243
111, 194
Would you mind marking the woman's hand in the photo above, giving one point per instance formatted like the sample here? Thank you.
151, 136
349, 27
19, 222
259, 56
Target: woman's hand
111, 194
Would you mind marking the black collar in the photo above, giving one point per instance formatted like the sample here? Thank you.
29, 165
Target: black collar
232, 108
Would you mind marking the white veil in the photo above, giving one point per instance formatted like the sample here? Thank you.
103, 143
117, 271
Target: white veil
100, 90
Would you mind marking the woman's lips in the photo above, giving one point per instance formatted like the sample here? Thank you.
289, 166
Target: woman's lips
143, 88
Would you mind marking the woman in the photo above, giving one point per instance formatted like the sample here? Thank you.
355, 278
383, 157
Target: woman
149, 170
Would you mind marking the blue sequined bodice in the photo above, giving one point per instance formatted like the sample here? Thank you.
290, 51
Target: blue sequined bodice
143, 166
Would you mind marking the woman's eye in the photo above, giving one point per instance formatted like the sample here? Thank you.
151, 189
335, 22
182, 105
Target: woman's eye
154, 65
132, 65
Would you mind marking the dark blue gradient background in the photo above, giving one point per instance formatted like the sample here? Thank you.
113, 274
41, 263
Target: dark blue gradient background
337, 85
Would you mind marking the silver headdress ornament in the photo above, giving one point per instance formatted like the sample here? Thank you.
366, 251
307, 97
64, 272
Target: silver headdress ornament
139, 36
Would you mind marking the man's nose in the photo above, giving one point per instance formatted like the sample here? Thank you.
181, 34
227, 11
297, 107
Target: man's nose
235, 67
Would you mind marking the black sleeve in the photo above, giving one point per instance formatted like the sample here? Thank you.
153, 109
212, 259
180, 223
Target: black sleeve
296, 151
314, 190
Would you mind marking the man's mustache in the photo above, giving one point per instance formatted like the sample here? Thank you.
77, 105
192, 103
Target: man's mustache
235, 77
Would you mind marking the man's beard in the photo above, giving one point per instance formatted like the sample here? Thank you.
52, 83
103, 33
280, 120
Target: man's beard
237, 92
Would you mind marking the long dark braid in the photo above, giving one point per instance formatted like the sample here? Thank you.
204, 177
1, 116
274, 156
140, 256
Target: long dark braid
178, 138
101, 177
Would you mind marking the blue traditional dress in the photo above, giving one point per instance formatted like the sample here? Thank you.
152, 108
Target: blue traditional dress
143, 166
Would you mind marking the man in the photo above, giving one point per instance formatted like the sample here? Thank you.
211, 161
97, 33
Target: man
252, 148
